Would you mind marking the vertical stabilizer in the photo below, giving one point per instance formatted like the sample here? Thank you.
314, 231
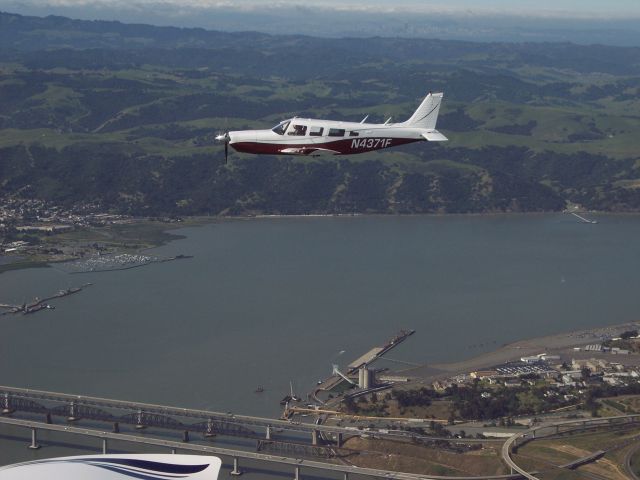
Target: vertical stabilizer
427, 113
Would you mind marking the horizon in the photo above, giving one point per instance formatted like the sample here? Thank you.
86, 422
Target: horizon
494, 21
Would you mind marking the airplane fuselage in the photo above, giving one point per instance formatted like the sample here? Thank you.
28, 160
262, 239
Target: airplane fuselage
332, 138
309, 136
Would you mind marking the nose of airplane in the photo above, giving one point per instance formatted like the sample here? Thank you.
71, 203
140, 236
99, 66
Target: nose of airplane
223, 137
242, 136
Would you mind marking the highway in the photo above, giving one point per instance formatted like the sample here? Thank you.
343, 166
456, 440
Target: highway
296, 463
573, 425
627, 462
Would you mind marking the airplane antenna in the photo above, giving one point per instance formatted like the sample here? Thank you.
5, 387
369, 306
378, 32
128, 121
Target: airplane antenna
364, 119
388, 120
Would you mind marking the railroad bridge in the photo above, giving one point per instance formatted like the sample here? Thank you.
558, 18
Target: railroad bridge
19, 406
209, 423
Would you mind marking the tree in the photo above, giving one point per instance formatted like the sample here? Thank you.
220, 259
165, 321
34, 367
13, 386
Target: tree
349, 405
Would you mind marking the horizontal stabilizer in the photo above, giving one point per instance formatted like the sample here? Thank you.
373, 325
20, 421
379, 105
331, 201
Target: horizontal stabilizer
434, 136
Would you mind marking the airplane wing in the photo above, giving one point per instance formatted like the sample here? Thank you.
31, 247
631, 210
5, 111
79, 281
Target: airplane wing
309, 151
434, 136
115, 467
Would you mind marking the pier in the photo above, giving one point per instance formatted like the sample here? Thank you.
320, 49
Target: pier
378, 352
357, 366
41, 303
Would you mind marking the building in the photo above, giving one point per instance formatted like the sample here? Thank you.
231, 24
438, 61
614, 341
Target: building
44, 228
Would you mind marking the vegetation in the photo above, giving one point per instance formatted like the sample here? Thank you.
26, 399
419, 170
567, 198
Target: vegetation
123, 116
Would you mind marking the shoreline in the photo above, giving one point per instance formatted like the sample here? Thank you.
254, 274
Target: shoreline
561, 344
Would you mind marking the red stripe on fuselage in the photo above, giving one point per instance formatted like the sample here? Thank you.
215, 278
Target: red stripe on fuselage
344, 147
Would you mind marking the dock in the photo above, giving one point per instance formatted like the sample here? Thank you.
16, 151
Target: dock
41, 303
378, 352
337, 378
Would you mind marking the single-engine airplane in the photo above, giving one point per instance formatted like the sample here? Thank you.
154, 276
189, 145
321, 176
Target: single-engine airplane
307, 136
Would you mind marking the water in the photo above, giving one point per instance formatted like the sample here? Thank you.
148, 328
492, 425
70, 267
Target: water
266, 301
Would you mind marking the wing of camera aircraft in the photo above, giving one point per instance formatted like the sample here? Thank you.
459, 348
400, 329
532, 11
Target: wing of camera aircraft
116, 467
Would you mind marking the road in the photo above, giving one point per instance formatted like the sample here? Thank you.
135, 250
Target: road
238, 454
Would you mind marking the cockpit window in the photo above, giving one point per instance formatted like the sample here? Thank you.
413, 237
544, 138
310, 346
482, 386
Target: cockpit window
281, 127
299, 130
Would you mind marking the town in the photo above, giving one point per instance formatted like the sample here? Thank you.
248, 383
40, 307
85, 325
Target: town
35, 232
588, 379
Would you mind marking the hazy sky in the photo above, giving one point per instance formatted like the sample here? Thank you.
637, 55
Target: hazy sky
543, 8
609, 22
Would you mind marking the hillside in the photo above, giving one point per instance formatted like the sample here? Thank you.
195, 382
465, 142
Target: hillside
124, 116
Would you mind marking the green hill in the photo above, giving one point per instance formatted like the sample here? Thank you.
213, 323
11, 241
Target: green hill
124, 116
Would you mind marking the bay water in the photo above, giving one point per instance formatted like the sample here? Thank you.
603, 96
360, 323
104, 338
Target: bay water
264, 302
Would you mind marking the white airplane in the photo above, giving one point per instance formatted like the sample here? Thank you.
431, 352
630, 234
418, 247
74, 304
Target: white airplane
116, 467
307, 136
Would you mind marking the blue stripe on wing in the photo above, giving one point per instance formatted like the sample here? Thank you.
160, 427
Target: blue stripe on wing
159, 467
135, 473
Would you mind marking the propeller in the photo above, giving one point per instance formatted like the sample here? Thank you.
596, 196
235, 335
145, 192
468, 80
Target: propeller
224, 137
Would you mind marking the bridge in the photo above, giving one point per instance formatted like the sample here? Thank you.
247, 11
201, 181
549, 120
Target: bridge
142, 415
235, 455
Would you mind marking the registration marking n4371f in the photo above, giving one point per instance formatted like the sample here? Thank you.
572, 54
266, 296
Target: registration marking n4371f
371, 143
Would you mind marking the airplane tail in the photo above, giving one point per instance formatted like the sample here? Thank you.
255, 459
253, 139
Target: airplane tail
427, 113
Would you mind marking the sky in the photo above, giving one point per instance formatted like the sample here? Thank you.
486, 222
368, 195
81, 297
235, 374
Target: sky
542, 8
614, 22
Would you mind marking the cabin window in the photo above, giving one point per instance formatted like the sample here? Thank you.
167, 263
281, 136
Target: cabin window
299, 130
336, 132
281, 127
316, 131
353, 134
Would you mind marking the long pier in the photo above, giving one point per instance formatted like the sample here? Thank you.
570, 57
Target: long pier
378, 352
40, 303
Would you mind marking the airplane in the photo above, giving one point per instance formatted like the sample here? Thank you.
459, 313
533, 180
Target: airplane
307, 136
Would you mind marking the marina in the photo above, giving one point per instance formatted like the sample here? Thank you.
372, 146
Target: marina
113, 262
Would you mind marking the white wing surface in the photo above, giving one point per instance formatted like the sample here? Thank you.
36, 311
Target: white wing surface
116, 467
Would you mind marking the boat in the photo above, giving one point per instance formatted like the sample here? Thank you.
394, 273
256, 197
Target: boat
291, 397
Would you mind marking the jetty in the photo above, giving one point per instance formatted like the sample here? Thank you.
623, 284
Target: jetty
377, 352
357, 366
40, 303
